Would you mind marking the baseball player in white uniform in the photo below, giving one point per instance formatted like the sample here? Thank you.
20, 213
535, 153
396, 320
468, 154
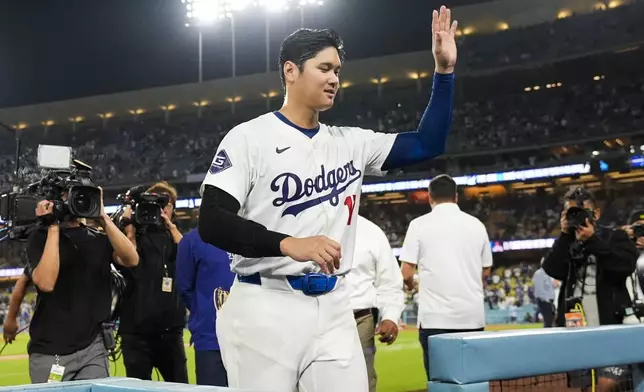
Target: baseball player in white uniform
282, 194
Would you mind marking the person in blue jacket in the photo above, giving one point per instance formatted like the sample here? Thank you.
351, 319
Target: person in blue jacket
203, 279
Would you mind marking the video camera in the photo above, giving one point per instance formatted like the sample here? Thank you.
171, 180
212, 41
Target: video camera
577, 216
83, 198
17, 214
146, 206
17, 209
636, 225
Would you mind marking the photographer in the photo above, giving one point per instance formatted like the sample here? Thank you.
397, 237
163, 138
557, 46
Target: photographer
70, 267
592, 262
153, 316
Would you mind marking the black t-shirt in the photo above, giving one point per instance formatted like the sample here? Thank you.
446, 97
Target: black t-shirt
146, 308
69, 318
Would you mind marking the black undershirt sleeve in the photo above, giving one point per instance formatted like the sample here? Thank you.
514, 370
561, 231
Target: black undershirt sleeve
219, 225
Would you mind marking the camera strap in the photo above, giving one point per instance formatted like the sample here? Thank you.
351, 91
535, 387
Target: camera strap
166, 280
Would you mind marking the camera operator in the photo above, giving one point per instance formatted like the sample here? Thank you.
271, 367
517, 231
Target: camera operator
592, 262
153, 316
70, 267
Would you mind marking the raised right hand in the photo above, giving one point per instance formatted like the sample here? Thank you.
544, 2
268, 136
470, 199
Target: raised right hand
44, 207
320, 249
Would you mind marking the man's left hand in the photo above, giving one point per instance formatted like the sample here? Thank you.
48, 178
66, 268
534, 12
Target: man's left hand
388, 331
443, 40
584, 232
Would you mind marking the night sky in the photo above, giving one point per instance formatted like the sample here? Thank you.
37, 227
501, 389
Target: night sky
62, 49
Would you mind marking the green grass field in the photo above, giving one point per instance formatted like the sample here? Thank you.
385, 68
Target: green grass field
399, 366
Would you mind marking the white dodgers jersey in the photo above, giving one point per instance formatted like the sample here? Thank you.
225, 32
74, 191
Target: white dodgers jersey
297, 185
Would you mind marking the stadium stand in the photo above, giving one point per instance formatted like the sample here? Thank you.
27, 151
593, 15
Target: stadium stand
543, 114
129, 148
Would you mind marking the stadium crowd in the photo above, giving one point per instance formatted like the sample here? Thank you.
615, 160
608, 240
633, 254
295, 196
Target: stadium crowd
565, 37
148, 147
152, 147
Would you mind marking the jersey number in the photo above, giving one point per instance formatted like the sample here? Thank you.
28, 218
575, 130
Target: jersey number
350, 202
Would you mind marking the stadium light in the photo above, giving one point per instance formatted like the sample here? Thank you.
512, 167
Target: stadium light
231, 6
614, 4
277, 6
202, 13
563, 14
274, 6
503, 26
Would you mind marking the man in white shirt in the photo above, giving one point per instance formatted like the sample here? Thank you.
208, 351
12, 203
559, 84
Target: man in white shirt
452, 252
376, 288
544, 294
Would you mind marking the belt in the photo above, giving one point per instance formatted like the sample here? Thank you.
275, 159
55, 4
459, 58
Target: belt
310, 284
361, 313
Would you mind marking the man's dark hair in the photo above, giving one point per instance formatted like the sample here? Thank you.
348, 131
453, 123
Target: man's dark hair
442, 188
304, 44
580, 194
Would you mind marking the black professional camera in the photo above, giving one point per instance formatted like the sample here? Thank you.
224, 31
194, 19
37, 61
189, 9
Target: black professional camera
17, 215
146, 206
634, 221
577, 216
83, 197
638, 230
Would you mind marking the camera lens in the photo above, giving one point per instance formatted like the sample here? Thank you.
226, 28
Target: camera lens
84, 202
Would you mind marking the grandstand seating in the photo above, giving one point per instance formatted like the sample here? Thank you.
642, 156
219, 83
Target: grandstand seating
528, 122
148, 147
151, 147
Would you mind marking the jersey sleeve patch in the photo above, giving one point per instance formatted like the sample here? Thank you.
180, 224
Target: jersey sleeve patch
220, 163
